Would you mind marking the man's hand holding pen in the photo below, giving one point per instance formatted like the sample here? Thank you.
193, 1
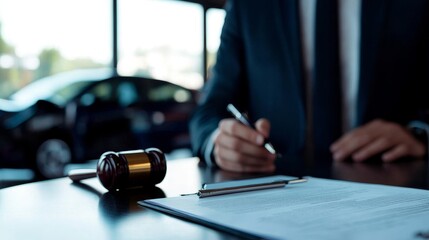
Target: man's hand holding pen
240, 148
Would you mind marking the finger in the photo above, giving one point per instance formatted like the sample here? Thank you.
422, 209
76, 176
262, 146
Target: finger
235, 128
396, 153
415, 149
343, 141
238, 167
351, 143
237, 144
263, 126
240, 157
377, 146
363, 132
356, 139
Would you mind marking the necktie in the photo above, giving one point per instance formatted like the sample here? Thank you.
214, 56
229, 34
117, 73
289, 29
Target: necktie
326, 101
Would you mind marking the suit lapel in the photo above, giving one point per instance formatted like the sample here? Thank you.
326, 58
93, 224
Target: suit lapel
373, 18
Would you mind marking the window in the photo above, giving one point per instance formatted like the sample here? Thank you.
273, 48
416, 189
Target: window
215, 19
44, 37
161, 40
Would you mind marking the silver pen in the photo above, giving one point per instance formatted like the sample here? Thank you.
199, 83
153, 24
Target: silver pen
243, 119
245, 188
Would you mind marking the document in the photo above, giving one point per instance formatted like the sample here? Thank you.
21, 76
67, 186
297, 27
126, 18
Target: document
317, 209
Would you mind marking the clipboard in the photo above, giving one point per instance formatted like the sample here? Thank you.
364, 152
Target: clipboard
318, 209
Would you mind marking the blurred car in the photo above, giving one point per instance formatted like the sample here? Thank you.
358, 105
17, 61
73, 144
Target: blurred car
78, 115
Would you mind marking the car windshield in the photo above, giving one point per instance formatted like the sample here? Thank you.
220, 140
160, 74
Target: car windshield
63, 95
59, 88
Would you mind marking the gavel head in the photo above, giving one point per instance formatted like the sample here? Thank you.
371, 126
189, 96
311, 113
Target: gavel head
128, 169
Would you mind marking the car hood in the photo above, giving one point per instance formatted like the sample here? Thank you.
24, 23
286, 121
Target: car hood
12, 106
13, 113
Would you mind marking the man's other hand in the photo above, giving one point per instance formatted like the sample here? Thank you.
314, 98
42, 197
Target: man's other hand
390, 139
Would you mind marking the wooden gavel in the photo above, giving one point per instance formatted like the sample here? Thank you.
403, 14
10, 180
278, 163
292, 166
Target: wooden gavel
127, 169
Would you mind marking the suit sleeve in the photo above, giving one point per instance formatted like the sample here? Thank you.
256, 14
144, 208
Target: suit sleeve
223, 86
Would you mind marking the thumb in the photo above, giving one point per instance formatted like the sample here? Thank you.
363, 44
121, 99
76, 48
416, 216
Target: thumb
263, 126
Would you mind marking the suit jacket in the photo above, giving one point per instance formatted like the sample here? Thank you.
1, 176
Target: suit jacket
259, 68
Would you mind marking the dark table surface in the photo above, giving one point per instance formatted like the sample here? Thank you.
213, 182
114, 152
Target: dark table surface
60, 209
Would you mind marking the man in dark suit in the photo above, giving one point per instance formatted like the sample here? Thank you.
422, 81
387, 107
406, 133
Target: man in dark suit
338, 76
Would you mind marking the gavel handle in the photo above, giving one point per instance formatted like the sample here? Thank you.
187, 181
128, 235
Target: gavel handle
81, 174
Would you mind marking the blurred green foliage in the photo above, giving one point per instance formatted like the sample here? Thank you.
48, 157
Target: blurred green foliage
14, 74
